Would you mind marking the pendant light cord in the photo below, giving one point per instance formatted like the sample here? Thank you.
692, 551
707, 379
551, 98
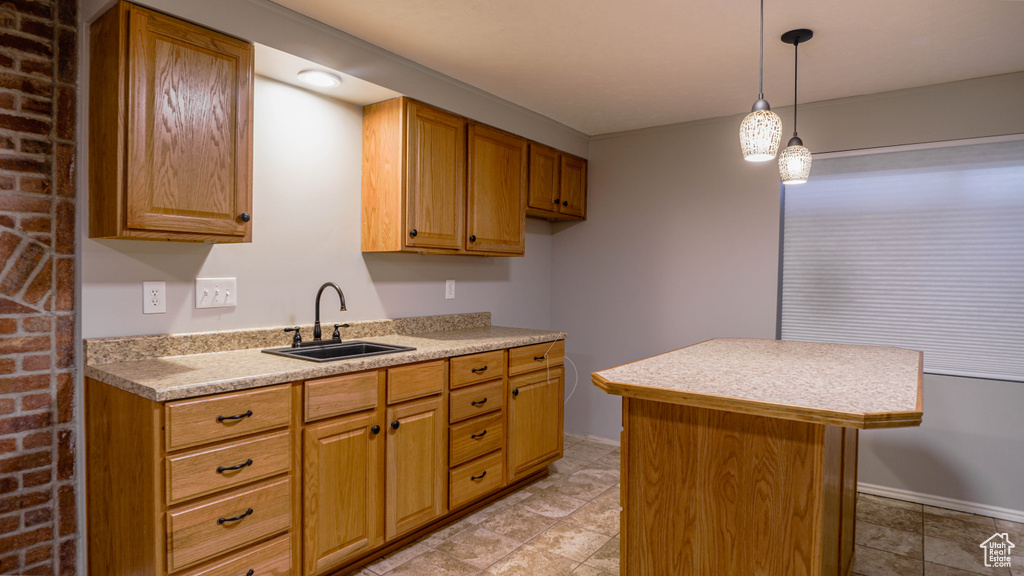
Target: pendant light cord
760, 88
796, 70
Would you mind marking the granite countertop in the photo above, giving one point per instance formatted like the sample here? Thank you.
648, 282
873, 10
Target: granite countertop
841, 384
198, 374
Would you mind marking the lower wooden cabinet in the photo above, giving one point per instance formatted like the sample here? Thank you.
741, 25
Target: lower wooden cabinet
534, 421
416, 464
342, 490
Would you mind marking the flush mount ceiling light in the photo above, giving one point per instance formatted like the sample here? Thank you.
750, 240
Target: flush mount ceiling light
795, 160
761, 130
320, 78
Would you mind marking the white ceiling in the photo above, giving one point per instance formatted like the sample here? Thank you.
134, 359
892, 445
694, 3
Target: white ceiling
285, 67
604, 66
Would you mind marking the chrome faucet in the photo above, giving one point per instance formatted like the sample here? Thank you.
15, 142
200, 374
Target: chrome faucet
316, 325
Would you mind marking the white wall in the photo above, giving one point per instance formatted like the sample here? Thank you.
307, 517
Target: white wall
306, 230
681, 245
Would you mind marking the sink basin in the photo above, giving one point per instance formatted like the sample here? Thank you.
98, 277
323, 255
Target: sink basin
328, 351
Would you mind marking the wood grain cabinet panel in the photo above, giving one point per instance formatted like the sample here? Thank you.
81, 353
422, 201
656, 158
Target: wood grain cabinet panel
496, 203
476, 478
416, 464
558, 185
181, 169
474, 368
338, 395
213, 418
342, 490
475, 400
534, 420
535, 357
209, 470
476, 437
271, 559
416, 380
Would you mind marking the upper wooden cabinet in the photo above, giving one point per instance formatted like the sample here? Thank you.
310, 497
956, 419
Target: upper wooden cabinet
558, 185
433, 186
170, 130
496, 210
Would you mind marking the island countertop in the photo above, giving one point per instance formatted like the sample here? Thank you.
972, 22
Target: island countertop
839, 384
175, 377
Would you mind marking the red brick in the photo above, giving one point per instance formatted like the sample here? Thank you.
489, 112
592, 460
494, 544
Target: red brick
37, 28
65, 397
22, 269
9, 524
8, 182
35, 478
42, 68
65, 227
6, 405
30, 7
65, 171
40, 286
8, 485
25, 539
44, 569
68, 556
36, 224
8, 564
37, 323
8, 325
35, 186
33, 85
8, 100
65, 289
39, 516
7, 366
31, 146
37, 440
6, 221
14, 424
66, 510
38, 554
65, 344
8, 306
35, 401
23, 124
38, 107
8, 244
26, 45
35, 363
24, 501
65, 455
8, 143
24, 383
19, 344
67, 55
8, 445
66, 112
27, 461
16, 164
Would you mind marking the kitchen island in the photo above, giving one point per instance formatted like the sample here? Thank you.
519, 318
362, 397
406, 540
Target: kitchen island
739, 456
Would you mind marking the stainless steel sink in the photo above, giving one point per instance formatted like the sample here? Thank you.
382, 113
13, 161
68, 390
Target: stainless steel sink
328, 351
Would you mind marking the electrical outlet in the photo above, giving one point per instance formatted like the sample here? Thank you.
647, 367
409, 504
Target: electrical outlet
154, 298
216, 292
449, 289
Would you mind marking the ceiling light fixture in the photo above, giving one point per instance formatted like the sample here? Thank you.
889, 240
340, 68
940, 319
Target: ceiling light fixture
320, 78
761, 130
795, 160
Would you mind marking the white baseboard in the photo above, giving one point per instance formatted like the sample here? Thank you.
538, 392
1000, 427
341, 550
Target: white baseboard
942, 502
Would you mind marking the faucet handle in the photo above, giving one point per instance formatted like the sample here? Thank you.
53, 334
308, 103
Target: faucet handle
337, 333
297, 339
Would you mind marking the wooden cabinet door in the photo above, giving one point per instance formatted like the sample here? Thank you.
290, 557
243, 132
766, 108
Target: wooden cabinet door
416, 464
436, 182
496, 205
189, 130
544, 178
534, 421
574, 186
343, 480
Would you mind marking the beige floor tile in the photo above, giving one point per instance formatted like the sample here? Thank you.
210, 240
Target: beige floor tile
570, 541
933, 569
861, 497
985, 521
551, 505
874, 510
436, 564
397, 558
606, 558
611, 497
585, 570
439, 536
959, 555
892, 540
613, 458
486, 512
518, 496
580, 486
531, 561
872, 562
1016, 532
597, 516
572, 439
478, 546
518, 523
600, 473
569, 465
587, 451
950, 528
547, 482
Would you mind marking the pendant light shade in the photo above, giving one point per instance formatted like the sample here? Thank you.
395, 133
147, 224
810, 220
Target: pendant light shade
761, 130
795, 160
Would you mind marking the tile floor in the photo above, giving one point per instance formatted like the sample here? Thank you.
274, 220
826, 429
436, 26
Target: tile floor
568, 524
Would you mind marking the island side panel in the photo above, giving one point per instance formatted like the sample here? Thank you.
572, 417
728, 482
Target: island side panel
709, 492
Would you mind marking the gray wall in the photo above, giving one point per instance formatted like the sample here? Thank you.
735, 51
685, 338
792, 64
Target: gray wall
681, 245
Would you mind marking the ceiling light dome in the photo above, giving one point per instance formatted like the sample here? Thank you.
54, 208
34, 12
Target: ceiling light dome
319, 78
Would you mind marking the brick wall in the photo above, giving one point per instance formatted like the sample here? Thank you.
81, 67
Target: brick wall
37, 295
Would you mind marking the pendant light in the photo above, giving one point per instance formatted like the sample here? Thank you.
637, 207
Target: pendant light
761, 130
795, 160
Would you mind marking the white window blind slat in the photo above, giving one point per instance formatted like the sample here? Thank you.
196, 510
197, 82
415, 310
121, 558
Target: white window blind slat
918, 249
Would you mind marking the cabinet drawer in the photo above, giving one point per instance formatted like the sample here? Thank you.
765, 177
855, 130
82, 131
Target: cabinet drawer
474, 479
213, 418
416, 381
209, 470
271, 559
476, 437
480, 399
215, 526
466, 370
339, 395
535, 357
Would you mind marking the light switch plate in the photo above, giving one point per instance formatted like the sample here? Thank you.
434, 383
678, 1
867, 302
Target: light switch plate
449, 289
216, 292
154, 297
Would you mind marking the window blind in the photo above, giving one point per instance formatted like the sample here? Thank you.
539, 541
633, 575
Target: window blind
919, 249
